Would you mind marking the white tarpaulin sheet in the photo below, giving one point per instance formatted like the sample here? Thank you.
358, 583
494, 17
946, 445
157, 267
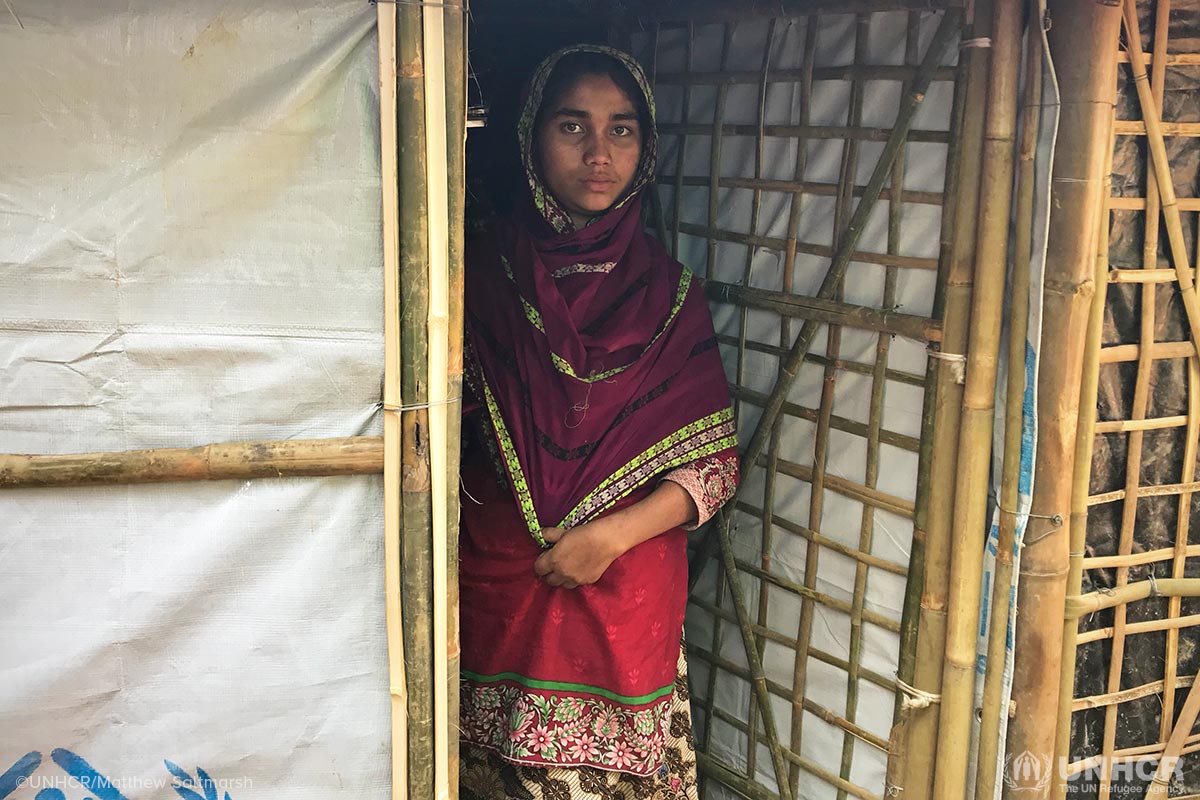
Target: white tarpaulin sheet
190, 253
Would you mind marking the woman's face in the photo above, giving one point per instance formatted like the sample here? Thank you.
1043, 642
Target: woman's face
588, 147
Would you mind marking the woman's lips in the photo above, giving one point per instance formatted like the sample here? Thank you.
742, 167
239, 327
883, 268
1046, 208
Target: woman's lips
598, 184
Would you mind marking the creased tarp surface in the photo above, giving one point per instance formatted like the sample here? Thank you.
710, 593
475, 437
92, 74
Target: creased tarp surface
189, 253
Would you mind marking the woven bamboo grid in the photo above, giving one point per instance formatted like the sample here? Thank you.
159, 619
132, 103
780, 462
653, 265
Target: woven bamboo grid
840, 400
1137, 562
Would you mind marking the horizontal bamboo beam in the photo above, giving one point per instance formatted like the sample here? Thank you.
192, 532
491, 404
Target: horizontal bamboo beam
847, 488
771, 635
1158, 350
781, 691
355, 455
1127, 695
1163, 490
1133, 754
1143, 275
813, 188
1133, 127
1139, 203
805, 764
821, 540
921, 329
805, 248
857, 367
838, 132
1152, 424
1189, 59
1138, 559
900, 440
1083, 604
1145, 626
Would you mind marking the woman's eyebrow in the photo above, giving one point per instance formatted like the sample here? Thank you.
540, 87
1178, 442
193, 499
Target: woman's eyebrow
578, 113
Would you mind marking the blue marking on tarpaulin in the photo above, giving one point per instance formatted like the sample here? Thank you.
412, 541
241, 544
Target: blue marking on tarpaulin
51, 794
1028, 421
18, 773
86, 774
984, 601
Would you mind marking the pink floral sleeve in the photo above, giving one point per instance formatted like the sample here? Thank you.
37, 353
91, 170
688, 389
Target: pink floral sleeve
710, 481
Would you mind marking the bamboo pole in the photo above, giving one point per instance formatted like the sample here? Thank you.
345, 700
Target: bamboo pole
850, 154
975, 435
1077, 606
1083, 47
994, 706
957, 257
456, 137
442, 482
1082, 472
357, 455
416, 499
392, 397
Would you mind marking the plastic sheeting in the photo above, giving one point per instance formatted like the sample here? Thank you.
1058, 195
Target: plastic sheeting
842, 516
190, 253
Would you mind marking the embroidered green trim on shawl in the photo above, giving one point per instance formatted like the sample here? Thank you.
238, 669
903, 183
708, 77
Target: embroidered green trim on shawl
706, 436
524, 497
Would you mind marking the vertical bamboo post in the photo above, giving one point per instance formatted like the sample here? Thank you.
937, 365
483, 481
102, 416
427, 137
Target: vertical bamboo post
456, 138
1085, 436
416, 499
1083, 47
959, 240
442, 386
975, 435
994, 706
392, 398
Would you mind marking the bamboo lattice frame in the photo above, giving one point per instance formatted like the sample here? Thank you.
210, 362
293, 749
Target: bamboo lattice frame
773, 746
1144, 573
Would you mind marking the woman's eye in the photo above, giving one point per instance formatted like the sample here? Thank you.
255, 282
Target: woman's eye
623, 130
571, 127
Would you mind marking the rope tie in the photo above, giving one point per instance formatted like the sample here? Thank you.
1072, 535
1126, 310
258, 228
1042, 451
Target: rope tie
417, 406
957, 362
916, 698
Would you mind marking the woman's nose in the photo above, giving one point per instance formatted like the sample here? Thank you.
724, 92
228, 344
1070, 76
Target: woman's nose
597, 151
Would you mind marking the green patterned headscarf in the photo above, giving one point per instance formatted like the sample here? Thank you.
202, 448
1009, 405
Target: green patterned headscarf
542, 198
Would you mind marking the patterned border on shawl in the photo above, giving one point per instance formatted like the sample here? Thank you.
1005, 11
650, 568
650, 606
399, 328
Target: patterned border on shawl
564, 366
578, 269
686, 449
541, 728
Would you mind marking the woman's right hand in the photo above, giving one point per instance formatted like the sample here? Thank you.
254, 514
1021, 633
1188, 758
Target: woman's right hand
577, 557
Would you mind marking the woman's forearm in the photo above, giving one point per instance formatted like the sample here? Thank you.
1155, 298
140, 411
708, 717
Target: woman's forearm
668, 506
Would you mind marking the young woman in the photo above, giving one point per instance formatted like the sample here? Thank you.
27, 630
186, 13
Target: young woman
601, 432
